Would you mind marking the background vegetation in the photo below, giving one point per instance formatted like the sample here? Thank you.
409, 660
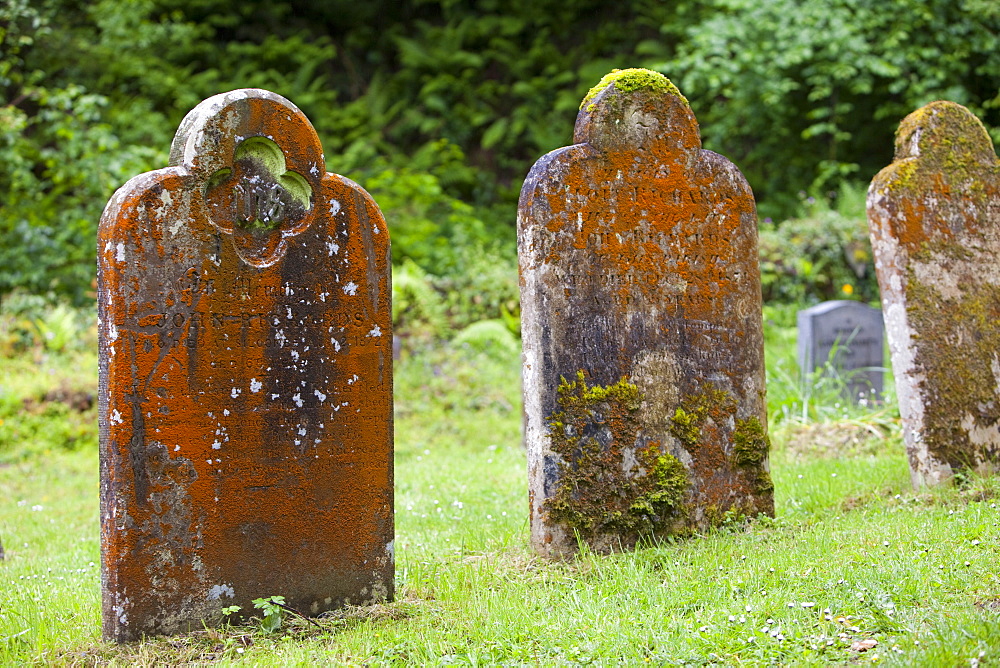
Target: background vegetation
439, 107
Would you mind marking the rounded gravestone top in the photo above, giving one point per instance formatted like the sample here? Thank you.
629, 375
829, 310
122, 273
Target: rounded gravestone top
209, 135
637, 108
945, 130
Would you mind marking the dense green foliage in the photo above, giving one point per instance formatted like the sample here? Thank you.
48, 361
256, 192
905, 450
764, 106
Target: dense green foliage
439, 107
804, 93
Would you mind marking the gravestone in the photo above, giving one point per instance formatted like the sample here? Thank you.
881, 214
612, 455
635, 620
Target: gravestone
641, 325
847, 334
245, 378
934, 221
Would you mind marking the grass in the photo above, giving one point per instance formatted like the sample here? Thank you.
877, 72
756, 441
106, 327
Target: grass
853, 555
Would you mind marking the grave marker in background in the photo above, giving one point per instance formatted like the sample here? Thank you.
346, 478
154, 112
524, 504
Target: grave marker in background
641, 320
245, 378
934, 220
855, 330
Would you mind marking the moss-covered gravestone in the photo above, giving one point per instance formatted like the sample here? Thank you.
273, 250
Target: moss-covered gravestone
934, 220
245, 378
641, 322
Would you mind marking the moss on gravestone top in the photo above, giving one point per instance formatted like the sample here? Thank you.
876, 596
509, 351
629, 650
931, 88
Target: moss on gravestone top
949, 140
633, 79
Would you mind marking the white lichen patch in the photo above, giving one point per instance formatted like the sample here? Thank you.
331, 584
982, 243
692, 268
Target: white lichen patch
115, 417
218, 591
375, 331
120, 254
255, 385
351, 288
320, 396
297, 398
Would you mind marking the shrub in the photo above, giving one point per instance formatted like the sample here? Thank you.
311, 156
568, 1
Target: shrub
823, 254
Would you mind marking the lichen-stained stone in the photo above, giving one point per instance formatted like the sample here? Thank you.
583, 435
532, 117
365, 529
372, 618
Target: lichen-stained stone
643, 368
245, 378
934, 221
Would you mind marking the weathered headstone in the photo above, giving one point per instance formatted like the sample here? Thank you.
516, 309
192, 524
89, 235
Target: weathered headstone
641, 322
934, 221
847, 334
245, 378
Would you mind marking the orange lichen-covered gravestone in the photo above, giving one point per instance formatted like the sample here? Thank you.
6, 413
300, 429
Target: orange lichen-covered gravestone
641, 323
245, 378
934, 220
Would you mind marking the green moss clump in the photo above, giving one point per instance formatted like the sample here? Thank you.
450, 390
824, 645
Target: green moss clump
633, 79
750, 447
671, 481
750, 443
597, 491
731, 517
689, 417
943, 144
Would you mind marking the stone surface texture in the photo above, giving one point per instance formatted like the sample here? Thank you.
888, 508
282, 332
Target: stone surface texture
643, 365
855, 329
934, 221
245, 378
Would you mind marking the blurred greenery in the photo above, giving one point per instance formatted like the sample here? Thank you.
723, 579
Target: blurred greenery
440, 107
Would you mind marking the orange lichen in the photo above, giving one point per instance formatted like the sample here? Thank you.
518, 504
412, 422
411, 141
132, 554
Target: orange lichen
246, 400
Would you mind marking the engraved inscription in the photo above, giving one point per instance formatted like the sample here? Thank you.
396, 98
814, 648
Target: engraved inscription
260, 205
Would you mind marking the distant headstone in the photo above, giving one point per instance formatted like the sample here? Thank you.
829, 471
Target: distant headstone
848, 335
641, 319
934, 220
245, 378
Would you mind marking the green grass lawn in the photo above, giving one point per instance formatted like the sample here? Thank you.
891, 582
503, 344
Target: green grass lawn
853, 555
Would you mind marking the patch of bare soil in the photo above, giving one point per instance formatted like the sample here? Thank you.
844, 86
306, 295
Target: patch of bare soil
826, 440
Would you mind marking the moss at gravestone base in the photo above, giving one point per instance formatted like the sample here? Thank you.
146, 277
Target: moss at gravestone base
750, 447
694, 411
750, 442
597, 493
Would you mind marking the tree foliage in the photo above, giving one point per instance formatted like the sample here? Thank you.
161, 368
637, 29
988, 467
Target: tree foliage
803, 94
441, 106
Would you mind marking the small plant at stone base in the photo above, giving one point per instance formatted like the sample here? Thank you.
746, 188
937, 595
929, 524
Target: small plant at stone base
229, 611
273, 608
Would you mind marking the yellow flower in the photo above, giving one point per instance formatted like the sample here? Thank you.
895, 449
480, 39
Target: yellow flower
848, 289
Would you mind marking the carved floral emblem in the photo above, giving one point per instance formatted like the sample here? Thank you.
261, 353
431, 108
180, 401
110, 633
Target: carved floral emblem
259, 201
